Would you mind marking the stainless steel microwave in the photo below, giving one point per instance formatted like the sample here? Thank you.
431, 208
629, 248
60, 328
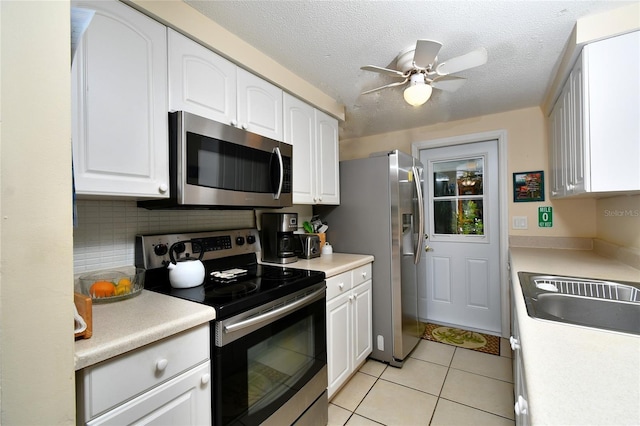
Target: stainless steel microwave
213, 165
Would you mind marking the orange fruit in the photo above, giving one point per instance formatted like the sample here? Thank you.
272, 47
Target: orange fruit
102, 289
123, 287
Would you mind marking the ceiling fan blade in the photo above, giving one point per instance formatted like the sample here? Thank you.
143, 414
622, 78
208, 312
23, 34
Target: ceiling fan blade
448, 84
426, 52
397, 83
470, 60
393, 73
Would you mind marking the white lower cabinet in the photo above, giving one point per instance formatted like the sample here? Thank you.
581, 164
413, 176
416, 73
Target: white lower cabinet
521, 406
167, 382
179, 401
349, 339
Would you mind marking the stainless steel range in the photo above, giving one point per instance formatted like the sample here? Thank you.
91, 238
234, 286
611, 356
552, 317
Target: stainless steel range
268, 350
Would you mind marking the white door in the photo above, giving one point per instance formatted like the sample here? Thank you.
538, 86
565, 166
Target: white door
462, 232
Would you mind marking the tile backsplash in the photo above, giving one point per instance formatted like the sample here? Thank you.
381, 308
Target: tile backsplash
105, 235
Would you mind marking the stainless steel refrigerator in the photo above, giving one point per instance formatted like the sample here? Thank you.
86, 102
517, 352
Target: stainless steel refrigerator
381, 213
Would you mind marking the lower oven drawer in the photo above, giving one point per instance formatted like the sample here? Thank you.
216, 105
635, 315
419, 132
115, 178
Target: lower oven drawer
114, 381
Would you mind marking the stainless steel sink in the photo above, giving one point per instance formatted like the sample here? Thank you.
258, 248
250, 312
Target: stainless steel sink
607, 305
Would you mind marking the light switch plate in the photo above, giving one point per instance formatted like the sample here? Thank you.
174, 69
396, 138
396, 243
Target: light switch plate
519, 222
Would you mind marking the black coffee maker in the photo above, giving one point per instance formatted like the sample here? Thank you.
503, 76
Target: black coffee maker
277, 237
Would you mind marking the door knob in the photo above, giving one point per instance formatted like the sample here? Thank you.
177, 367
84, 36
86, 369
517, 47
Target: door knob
427, 248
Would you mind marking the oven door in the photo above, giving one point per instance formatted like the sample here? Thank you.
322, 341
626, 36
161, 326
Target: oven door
223, 165
264, 363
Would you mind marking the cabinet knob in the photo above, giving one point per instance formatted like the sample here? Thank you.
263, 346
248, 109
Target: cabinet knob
205, 378
163, 188
521, 406
364, 275
234, 123
341, 286
515, 344
161, 364
244, 126
319, 199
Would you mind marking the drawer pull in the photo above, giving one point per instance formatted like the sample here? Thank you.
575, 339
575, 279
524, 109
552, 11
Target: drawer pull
161, 364
205, 378
364, 275
341, 286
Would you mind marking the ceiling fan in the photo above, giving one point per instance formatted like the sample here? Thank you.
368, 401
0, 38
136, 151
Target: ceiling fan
418, 66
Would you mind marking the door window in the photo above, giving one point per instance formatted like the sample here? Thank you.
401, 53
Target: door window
458, 197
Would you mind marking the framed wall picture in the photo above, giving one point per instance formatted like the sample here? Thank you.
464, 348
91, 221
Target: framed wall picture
528, 186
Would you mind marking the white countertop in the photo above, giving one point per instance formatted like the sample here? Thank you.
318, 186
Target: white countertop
129, 324
576, 375
331, 264
122, 326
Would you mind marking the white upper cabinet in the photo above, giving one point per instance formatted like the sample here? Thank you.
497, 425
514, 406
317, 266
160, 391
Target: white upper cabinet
300, 131
259, 106
314, 136
204, 83
119, 105
594, 126
328, 158
200, 82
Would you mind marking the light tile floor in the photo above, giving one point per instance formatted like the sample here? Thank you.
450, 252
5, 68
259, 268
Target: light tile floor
438, 385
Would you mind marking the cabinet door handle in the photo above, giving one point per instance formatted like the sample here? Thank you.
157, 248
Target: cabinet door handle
163, 188
364, 275
205, 378
341, 286
161, 364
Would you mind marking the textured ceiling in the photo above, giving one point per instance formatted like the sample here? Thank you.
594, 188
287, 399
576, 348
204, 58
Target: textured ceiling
326, 43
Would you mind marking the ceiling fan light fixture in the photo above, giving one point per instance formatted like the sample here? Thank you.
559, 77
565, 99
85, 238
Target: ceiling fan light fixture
418, 91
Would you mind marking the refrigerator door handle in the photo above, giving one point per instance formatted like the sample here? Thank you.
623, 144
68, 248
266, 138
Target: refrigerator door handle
420, 242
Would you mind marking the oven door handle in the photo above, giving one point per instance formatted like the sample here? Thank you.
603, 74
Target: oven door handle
276, 313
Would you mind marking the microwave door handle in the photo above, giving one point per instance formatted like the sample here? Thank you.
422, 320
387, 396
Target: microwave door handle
276, 150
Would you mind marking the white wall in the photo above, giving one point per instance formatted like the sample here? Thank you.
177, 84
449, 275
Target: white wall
527, 150
36, 270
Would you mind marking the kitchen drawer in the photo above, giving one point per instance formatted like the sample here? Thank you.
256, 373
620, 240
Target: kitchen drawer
112, 382
184, 400
338, 284
361, 274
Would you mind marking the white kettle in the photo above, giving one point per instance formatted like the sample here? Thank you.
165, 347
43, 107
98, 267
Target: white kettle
186, 272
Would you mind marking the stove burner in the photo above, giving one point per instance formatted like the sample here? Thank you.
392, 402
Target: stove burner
234, 290
281, 274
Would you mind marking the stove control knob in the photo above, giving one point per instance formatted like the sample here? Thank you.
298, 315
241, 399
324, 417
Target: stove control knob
240, 241
251, 239
160, 249
179, 247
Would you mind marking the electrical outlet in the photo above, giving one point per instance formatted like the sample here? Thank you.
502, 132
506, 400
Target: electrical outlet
519, 222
